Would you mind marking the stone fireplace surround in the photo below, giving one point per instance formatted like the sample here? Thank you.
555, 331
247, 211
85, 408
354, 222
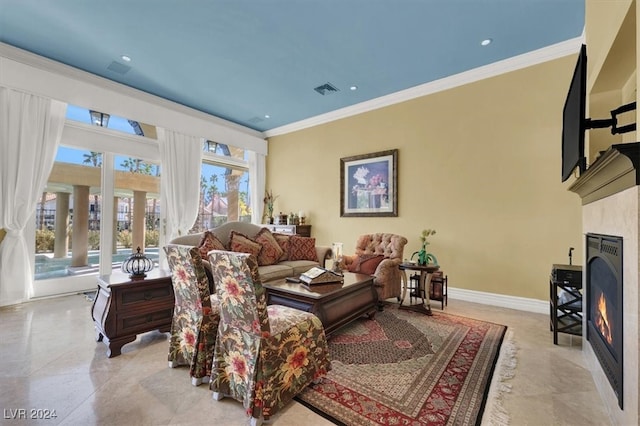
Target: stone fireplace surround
610, 195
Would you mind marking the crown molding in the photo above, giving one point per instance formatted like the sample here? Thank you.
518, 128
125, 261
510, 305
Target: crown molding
501, 67
525, 60
40, 62
28, 72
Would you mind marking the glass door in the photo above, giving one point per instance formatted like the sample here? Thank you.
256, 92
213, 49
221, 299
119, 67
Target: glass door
100, 203
67, 224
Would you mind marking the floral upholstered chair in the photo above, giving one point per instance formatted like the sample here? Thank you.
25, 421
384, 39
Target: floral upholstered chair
264, 355
195, 315
379, 255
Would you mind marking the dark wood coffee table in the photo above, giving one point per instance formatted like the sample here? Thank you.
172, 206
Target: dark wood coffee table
336, 304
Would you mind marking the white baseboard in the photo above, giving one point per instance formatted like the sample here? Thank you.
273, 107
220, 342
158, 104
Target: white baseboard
504, 301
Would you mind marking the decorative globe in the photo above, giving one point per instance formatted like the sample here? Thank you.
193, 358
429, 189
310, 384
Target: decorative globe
137, 265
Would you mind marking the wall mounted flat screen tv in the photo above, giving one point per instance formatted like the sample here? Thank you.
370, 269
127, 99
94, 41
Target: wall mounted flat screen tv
574, 120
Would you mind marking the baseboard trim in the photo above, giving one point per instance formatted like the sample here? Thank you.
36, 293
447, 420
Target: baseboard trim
504, 301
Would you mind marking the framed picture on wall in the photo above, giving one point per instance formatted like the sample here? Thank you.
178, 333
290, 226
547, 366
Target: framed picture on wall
369, 184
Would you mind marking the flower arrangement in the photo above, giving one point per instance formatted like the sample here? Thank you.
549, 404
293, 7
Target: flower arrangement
375, 181
360, 175
424, 257
269, 199
371, 191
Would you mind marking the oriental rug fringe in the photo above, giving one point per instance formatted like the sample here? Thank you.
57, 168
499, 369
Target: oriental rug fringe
405, 368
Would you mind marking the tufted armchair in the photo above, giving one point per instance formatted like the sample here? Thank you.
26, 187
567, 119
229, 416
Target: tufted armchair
264, 355
195, 316
379, 255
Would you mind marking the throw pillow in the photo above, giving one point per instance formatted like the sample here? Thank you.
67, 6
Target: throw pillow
209, 242
366, 264
302, 248
271, 250
242, 244
283, 242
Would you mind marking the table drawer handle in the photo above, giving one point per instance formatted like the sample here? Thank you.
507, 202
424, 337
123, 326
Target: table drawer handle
148, 296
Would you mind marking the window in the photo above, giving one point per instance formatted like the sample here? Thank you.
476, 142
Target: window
102, 200
113, 122
224, 187
69, 218
137, 181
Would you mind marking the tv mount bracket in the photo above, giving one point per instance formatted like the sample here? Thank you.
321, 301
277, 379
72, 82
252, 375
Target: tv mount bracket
613, 121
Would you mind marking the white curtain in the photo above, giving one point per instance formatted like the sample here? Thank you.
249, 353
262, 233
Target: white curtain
181, 160
257, 178
30, 132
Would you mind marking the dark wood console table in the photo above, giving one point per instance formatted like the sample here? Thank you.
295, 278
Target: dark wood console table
302, 230
124, 308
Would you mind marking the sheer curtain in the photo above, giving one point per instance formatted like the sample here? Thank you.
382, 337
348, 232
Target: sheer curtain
30, 132
181, 161
257, 177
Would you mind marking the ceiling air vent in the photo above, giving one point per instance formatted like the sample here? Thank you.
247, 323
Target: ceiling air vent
326, 88
255, 120
118, 67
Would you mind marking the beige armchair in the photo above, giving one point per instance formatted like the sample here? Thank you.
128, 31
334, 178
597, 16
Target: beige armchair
379, 255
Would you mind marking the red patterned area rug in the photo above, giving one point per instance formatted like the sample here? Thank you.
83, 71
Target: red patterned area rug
406, 368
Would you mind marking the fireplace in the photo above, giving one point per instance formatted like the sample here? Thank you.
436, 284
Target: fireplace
604, 306
610, 194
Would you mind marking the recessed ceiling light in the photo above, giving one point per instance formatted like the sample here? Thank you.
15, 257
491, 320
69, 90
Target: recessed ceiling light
267, 116
126, 58
486, 41
353, 87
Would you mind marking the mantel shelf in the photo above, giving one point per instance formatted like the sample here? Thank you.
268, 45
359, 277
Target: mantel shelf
614, 171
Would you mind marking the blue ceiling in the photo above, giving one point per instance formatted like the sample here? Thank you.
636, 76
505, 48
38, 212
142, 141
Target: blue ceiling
242, 60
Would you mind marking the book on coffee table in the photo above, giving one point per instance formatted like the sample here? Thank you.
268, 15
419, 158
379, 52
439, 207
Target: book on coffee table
317, 275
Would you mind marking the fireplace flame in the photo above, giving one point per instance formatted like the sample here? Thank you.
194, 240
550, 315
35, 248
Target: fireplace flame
603, 323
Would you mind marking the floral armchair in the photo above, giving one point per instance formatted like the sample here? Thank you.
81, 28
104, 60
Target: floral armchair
195, 315
379, 255
264, 355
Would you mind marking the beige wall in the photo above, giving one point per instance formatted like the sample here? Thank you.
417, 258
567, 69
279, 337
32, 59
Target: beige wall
611, 78
479, 163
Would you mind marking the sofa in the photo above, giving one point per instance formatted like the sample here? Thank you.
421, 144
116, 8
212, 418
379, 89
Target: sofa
295, 255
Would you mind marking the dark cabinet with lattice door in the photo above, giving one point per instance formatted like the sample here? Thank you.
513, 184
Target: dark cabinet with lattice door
565, 307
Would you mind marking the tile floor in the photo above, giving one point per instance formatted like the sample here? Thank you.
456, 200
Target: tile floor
50, 361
